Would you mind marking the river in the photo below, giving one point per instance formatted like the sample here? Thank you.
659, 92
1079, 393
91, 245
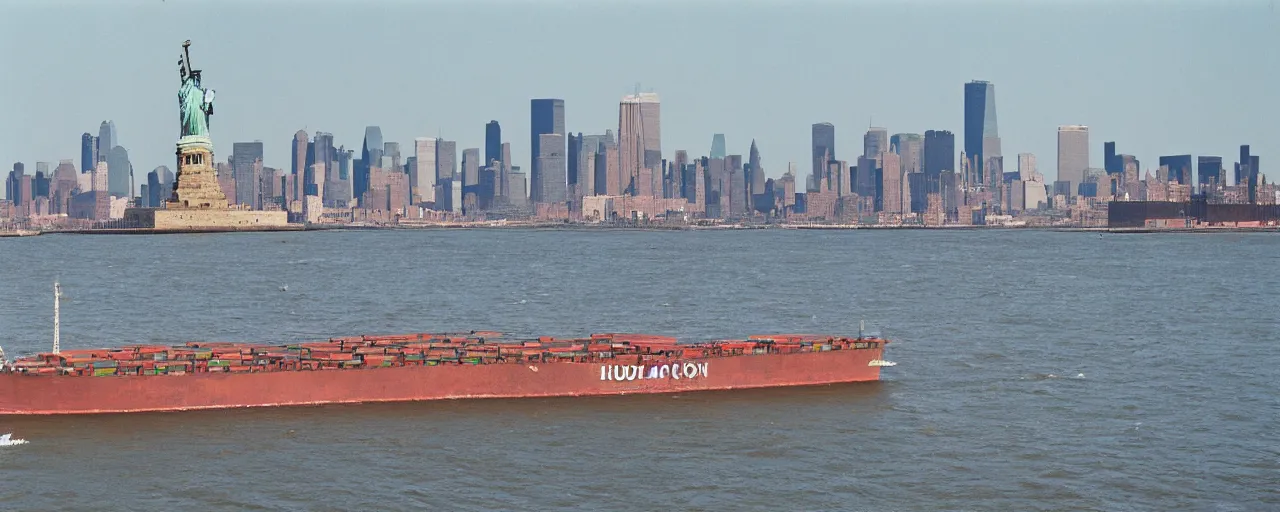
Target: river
1037, 370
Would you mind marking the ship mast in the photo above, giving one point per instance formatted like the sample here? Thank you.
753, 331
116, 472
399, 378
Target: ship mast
57, 297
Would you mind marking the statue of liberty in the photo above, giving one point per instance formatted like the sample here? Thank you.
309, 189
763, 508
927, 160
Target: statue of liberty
195, 104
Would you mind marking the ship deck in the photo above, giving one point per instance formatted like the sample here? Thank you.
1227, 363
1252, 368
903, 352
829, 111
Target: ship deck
419, 349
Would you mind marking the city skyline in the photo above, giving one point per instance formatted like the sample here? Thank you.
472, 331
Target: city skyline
690, 116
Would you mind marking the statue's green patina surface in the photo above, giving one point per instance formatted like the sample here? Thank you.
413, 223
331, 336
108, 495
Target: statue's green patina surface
195, 104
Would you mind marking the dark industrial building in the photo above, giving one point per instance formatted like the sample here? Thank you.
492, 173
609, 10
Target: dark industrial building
1135, 214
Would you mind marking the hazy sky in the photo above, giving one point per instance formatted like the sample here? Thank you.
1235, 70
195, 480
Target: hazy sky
1168, 77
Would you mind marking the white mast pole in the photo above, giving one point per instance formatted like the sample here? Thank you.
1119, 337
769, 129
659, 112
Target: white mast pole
57, 297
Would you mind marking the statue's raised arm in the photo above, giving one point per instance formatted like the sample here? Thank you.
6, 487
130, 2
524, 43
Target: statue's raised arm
195, 105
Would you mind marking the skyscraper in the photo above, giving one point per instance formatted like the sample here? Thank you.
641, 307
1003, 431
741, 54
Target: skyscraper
824, 150
939, 152
446, 160
370, 156
119, 172
64, 180
492, 143
391, 157
98, 178
40, 182
551, 164
573, 161
608, 177
981, 140
1209, 171
734, 189
892, 183
298, 154
106, 139
1247, 173
422, 177
596, 143
546, 118
1179, 167
159, 186
470, 179
864, 180
582, 160
338, 190
12, 183
1026, 166
246, 164
88, 152
685, 174
755, 175
322, 166
470, 169
717, 146
639, 134
1111, 162
910, 146
874, 142
1073, 155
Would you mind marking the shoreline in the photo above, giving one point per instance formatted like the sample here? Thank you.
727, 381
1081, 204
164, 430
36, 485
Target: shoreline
561, 226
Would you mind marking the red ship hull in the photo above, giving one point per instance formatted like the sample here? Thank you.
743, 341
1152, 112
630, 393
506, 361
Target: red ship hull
42, 395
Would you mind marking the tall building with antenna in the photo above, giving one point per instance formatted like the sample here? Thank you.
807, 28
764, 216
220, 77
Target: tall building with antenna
639, 139
875, 141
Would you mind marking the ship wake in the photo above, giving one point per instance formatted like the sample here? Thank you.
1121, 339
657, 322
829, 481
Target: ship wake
8, 440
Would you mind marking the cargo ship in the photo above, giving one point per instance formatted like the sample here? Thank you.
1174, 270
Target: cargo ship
420, 366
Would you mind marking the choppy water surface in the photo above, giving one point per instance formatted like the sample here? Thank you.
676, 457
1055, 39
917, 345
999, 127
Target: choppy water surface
1037, 371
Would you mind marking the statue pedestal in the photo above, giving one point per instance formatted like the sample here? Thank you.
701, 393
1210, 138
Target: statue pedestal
198, 203
196, 184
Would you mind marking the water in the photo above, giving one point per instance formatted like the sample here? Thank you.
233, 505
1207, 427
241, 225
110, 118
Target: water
1037, 371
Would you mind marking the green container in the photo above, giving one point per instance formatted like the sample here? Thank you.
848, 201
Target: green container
102, 372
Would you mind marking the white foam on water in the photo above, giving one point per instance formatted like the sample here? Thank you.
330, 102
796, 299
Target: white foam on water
8, 440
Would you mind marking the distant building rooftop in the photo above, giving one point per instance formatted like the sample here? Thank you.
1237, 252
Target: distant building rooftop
644, 97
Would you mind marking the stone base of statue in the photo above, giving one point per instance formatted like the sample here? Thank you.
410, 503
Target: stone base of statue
192, 220
198, 203
196, 184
